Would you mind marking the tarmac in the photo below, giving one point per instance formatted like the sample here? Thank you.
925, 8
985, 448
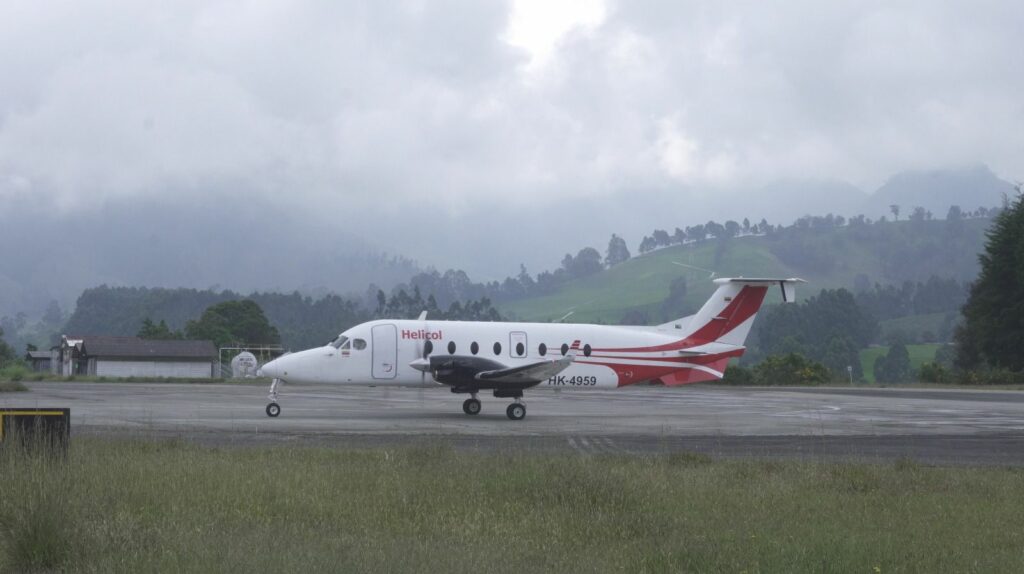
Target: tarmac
931, 426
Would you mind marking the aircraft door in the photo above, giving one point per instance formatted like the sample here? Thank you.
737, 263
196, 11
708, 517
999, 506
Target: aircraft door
517, 344
385, 352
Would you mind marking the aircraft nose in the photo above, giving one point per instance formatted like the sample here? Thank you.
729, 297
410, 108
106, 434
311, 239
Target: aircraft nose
271, 369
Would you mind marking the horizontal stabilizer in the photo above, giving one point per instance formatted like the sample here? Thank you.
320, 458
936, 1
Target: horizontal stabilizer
788, 285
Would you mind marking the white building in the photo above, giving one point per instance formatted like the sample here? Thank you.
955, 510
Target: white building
106, 356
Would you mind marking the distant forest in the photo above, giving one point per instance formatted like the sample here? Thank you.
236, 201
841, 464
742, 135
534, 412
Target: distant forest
913, 249
926, 266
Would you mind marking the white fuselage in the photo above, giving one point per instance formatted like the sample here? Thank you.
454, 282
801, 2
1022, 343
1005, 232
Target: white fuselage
380, 352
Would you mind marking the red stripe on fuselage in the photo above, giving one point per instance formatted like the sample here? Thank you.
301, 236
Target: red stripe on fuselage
743, 306
631, 374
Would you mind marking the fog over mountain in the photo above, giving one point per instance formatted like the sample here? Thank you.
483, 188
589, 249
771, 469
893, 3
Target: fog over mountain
289, 145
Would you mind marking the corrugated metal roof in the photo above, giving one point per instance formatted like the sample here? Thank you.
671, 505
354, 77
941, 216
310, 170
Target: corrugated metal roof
133, 347
39, 354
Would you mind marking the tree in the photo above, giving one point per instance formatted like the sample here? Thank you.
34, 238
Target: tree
151, 330
647, 245
674, 306
679, 237
895, 209
732, 229
716, 230
994, 313
662, 238
617, 251
6, 353
894, 366
586, 262
829, 327
233, 321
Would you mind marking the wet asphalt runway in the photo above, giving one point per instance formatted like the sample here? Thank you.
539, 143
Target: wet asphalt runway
931, 426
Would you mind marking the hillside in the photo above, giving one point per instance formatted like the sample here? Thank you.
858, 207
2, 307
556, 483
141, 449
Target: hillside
845, 256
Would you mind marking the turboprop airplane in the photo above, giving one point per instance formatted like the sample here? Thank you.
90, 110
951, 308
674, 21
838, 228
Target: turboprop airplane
507, 358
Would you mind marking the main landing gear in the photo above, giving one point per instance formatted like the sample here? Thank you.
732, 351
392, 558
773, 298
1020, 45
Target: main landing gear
471, 406
274, 409
516, 411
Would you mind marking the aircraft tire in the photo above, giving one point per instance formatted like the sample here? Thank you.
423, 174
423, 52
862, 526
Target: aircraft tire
273, 409
516, 411
471, 406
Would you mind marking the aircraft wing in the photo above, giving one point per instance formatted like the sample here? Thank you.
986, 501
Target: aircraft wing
532, 373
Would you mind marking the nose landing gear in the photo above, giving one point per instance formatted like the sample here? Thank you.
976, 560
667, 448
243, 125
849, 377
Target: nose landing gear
274, 409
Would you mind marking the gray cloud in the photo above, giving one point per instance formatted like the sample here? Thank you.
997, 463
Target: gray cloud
397, 120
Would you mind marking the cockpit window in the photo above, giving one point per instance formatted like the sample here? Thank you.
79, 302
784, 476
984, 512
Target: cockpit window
341, 340
358, 344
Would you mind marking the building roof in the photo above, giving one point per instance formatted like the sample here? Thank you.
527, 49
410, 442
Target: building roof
134, 347
38, 354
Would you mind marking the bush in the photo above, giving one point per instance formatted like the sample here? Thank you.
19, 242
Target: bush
14, 372
737, 375
990, 377
791, 369
933, 373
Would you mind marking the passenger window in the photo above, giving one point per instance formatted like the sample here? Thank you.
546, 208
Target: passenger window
358, 344
586, 350
543, 349
520, 350
565, 348
428, 348
474, 348
451, 347
497, 348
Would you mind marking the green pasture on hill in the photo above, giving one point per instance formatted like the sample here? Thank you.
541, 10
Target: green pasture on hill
919, 354
172, 507
841, 254
643, 283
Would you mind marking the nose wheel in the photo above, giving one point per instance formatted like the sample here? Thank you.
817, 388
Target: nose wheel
274, 409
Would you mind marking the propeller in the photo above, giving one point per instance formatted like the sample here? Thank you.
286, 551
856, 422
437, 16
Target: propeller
422, 362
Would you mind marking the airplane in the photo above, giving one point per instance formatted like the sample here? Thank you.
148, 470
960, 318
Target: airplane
507, 358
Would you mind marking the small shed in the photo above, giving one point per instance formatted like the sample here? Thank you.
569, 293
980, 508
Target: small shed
40, 361
107, 356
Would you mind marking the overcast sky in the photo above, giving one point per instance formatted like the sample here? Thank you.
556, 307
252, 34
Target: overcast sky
407, 114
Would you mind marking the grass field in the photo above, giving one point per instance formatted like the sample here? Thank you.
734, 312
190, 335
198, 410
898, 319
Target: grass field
11, 387
919, 354
172, 507
916, 326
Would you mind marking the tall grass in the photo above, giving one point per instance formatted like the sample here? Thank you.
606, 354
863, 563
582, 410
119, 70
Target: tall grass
12, 387
167, 506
